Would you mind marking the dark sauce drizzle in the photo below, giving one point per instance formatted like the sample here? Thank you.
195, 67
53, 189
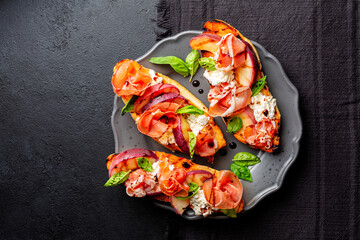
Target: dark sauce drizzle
232, 145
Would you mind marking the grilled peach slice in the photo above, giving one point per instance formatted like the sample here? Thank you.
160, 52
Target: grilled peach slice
198, 176
205, 42
179, 204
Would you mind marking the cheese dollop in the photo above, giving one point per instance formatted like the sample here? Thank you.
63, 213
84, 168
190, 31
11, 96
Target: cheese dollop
155, 79
197, 122
200, 205
263, 106
217, 77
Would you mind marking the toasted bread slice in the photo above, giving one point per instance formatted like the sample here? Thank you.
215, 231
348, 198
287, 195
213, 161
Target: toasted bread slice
164, 161
221, 28
218, 136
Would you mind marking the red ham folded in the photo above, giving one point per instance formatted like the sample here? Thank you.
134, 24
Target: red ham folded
130, 78
226, 99
224, 191
260, 134
140, 183
172, 182
156, 120
205, 142
231, 53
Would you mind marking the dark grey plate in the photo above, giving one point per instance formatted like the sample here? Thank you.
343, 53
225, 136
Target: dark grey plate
267, 175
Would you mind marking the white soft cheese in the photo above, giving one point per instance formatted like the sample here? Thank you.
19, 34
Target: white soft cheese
167, 138
200, 205
217, 77
156, 169
156, 79
263, 106
197, 122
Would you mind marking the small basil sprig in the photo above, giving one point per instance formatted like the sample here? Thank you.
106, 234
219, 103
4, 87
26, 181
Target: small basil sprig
258, 86
117, 179
241, 172
144, 164
240, 166
129, 105
234, 125
192, 143
208, 63
176, 63
192, 62
229, 212
190, 109
245, 159
193, 189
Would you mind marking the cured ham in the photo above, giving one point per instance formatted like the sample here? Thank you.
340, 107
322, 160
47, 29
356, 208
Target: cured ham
260, 134
140, 183
158, 119
205, 142
172, 182
130, 78
231, 53
224, 191
226, 99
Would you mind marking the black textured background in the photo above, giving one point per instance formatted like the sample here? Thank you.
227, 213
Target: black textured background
56, 61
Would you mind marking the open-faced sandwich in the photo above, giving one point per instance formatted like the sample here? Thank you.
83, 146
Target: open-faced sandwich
176, 180
238, 91
166, 111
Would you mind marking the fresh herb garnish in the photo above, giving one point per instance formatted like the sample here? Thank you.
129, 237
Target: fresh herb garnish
240, 166
192, 62
258, 86
117, 179
193, 189
229, 212
176, 63
129, 105
208, 63
144, 164
190, 109
241, 172
245, 159
234, 125
192, 143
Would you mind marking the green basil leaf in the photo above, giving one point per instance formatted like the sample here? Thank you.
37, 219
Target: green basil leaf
192, 143
245, 159
162, 60
229, 212
192, 62
117, 179
208, 63
193, 189
144, 164
241, 172
176, 63
190, 109
258, 86
180, 67
129, 105
234, 125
